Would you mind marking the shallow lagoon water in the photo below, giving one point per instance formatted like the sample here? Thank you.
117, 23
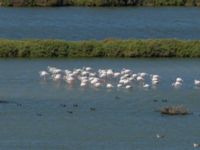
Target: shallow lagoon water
82, 23
128, 121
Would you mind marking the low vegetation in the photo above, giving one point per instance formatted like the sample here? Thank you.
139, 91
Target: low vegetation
104, 48
44, 3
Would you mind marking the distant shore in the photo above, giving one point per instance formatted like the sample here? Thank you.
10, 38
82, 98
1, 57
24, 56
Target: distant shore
97, 3
104, 48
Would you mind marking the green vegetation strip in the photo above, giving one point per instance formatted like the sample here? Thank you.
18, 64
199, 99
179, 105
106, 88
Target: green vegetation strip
104, 48
92, 3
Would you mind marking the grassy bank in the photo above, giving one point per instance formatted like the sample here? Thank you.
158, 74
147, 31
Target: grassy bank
44, 3
105, 48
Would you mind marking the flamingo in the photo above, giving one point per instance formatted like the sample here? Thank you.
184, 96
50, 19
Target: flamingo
155, 82
179, 80
56, 77
140, 79
155, 76
134, 76
123, 78
119, 85
83, 84
143, 74
88, 69
44, 74
155, 79
97, 85
197, 82
109, 86
128, 87
177, 84
195, 145
109, 72
70, 80
146, 86
116, 74
94, 80
84, 73
159, 136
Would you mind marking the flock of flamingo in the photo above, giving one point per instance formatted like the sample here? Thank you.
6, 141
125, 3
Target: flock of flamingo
126, 78
88, 77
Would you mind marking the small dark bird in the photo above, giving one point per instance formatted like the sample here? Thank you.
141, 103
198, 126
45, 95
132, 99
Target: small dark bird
92, 109
155, 100
39, 114
70, 112
18, 104
117, 97
4, 102
164, 100
63, 105
75, 105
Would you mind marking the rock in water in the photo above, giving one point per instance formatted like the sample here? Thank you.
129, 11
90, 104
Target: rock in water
174, 110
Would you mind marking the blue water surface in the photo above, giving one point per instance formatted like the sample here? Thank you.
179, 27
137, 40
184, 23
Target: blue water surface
82, 23
35, 116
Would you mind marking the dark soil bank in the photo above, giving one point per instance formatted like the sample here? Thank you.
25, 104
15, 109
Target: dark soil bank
43, 3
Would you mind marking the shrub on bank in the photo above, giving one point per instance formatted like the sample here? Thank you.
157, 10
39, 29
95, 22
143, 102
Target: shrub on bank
104, 48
